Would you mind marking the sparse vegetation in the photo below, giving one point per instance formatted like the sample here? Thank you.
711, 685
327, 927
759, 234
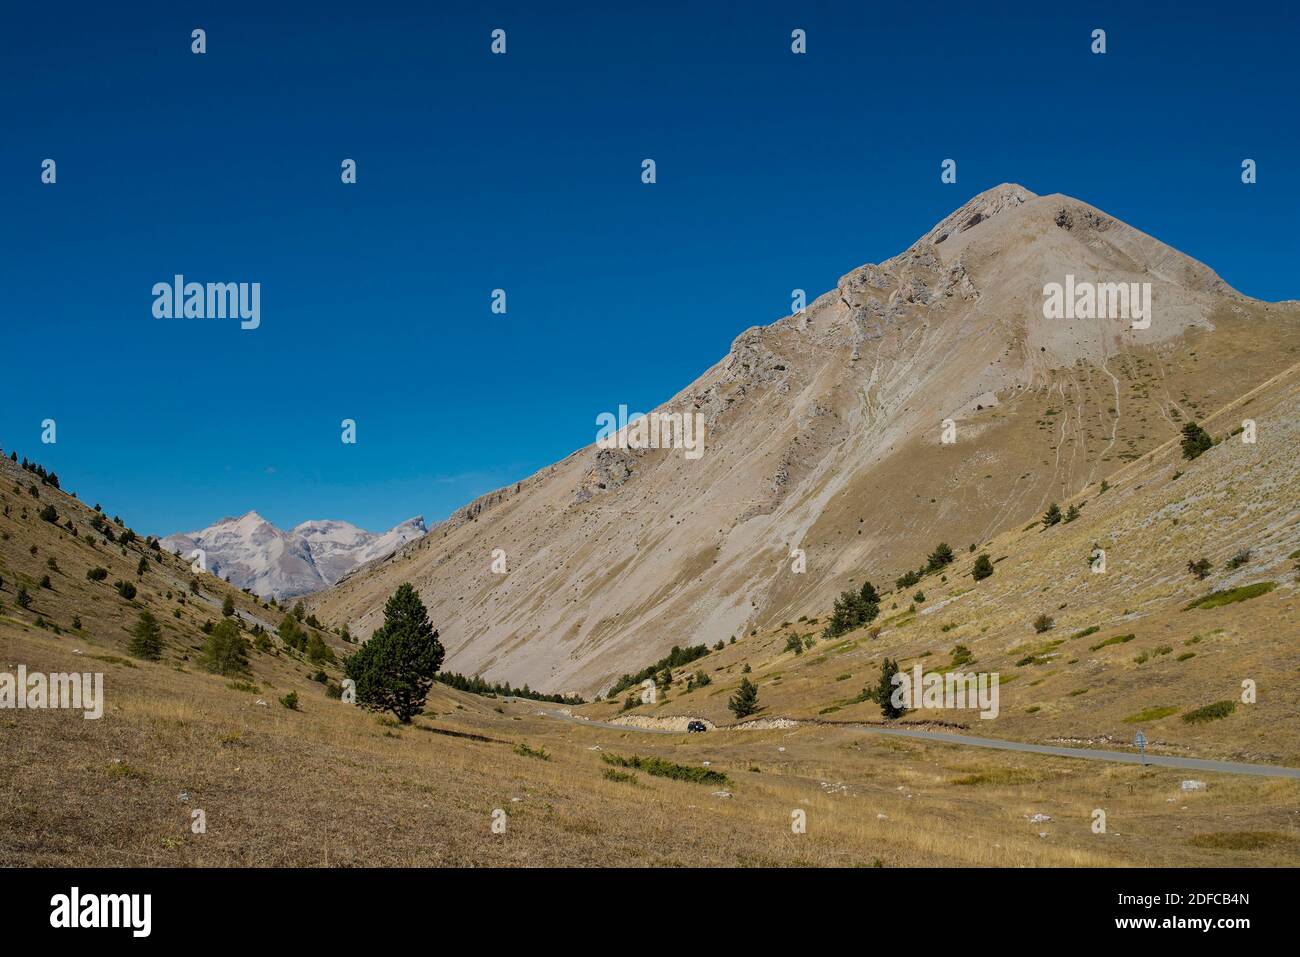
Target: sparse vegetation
1114, 640
676, 658
1210, 712
853, 610
1151, 714
666, 769
1229, 596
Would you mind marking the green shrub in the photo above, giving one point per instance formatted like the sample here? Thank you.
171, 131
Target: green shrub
1150, 714
1114, 640
290, 701
666, 769
1228, 596
1210, 712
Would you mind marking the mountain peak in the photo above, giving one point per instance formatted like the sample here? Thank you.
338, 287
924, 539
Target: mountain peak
257, 555
979, 208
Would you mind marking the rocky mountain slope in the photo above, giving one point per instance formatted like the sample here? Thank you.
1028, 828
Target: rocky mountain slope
252, 553
824, 451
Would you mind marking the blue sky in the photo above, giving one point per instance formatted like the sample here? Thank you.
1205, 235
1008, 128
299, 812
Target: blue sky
522, 172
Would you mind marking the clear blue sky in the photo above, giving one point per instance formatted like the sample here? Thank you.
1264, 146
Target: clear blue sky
523, 172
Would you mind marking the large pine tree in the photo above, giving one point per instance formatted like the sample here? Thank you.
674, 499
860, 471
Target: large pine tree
146, 638
885, 689
395, 669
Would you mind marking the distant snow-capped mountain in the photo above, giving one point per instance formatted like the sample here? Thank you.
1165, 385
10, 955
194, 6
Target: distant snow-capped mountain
254, 554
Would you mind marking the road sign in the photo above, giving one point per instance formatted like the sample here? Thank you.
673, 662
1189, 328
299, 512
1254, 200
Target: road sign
1141, 741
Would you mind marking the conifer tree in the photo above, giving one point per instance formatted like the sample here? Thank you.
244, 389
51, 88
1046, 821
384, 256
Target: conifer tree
146, 638
885, 690
395, 669
745, 701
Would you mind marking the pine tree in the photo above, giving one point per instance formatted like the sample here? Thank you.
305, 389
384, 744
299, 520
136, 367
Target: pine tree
1071, 514
146, 640
941, 556
227, 606
318, 651
395, 669
1195, 440
1052, 516
745, 701
885, 690
225, 651
983, 567
141, 567
291, 634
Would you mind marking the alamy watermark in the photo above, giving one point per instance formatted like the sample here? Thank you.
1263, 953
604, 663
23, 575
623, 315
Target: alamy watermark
954, 690
37, 691
214, 300
1098, 300
75, 909
657, 430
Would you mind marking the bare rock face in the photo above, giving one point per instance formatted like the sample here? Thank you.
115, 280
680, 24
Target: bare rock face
611, 468
252, 553
825, 435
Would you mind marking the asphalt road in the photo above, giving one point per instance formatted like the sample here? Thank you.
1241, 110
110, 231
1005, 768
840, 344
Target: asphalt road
1125, 757
963, 740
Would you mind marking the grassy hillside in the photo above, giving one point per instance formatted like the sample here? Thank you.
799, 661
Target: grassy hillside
1143, 644
330, 784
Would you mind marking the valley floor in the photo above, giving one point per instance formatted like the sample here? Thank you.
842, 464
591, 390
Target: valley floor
331, 785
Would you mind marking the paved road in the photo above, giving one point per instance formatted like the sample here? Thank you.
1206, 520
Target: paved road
1089, 754
1158, 760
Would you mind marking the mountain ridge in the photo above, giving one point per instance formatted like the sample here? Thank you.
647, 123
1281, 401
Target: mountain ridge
824, 420
272, 562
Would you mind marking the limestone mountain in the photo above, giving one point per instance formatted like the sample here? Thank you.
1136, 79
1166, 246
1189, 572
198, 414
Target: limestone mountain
825, 448
254, 554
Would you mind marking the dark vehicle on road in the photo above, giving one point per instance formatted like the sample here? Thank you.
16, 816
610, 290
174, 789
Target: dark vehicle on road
694, 726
